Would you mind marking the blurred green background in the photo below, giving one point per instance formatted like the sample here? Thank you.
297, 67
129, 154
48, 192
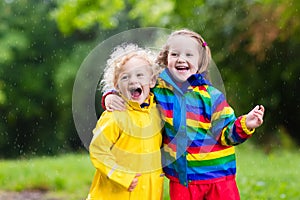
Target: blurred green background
255, 44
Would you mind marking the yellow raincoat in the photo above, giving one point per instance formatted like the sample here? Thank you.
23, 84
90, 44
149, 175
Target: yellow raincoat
126, 143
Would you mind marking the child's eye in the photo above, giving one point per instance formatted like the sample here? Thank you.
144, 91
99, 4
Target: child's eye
124, 78
189, 54
173, 54
140, 75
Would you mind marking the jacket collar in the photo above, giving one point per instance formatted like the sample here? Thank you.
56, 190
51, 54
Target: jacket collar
193, 80
133, 105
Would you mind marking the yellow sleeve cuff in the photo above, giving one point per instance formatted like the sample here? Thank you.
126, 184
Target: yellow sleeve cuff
244, 127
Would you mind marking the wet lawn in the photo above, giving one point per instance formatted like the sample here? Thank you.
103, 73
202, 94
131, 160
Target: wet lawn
259, 175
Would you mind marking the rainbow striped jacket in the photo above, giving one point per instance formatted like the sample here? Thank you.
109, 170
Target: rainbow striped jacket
200, 133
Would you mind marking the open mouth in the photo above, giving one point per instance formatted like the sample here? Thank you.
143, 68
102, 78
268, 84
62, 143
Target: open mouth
182, 68
136, 93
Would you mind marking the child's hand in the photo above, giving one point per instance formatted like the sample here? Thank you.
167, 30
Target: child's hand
255, 117
114, 102
134, 183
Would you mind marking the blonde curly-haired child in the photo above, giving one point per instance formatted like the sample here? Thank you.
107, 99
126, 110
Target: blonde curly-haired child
125, 148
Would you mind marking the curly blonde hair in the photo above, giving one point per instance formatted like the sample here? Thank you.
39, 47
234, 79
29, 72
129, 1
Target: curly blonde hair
120, 55
204, 50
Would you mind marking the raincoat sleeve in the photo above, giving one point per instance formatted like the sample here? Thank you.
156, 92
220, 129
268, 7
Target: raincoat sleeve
227, 129
106, 134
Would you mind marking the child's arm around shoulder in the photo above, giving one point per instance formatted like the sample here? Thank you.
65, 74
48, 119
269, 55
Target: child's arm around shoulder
111, 101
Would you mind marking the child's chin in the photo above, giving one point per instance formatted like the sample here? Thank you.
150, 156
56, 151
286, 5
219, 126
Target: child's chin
140, 101
135, 99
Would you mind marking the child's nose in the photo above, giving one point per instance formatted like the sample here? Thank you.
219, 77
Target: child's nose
133, 79
181, 58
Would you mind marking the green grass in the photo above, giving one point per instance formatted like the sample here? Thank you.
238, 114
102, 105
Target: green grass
267, 177
259, 176
65, 176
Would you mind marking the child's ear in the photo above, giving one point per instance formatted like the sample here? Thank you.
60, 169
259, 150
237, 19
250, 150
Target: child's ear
116, 86
153, 81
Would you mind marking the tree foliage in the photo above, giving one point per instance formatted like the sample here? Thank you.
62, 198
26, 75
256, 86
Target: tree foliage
255, 45
36, 117
83, 14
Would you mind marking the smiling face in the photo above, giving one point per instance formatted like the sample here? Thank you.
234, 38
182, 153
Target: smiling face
183, 57
135, 79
